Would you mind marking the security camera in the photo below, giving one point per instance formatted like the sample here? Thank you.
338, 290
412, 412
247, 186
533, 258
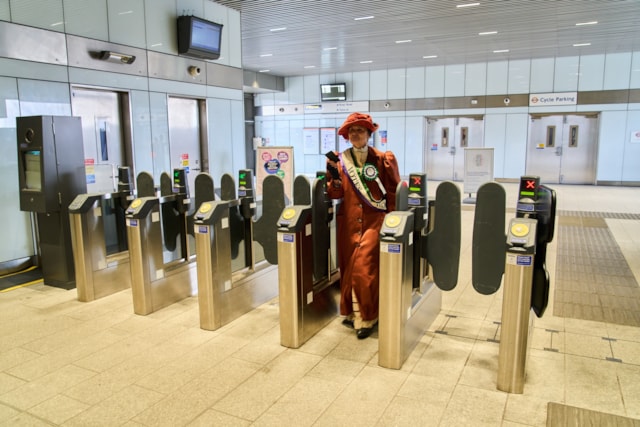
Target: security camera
387, 105
194, 71
507, 101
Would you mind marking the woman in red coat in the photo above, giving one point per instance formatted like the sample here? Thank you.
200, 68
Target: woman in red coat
366, 184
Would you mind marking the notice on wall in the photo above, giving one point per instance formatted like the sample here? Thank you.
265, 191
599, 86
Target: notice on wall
478, 168
276, 161
327, 140
311, 138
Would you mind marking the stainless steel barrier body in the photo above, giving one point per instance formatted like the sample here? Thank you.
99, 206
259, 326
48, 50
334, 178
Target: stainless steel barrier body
154, 285
305, 307
517, 318
222, 294
97, 274
405, 312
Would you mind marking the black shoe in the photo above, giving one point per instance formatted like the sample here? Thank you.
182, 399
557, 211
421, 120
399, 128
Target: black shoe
347, 322
363, 333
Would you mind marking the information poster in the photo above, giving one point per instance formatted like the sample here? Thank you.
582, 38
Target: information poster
276, 161
478, 168
311, 140
327, 140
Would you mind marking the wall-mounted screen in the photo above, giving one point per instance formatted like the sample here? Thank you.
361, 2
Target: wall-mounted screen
333, 92
199, 38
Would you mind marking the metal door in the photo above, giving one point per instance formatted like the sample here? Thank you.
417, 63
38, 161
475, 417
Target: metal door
103, 136
447, 137
185, 136
562, 149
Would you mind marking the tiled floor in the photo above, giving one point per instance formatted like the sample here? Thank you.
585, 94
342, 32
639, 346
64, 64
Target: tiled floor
63, 362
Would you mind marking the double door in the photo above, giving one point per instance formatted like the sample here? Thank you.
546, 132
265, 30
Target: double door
447, 137
562, 149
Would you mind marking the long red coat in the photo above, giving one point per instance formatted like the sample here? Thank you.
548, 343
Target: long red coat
358, 237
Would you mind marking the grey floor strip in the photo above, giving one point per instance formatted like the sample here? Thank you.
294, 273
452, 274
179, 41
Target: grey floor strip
593, 280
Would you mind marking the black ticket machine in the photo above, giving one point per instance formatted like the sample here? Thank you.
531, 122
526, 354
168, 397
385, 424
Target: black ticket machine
51, 174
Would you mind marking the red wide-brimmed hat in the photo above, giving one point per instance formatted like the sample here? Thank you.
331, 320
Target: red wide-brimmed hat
358, 119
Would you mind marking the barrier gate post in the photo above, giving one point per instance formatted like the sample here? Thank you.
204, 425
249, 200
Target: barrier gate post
396, 284
517, 321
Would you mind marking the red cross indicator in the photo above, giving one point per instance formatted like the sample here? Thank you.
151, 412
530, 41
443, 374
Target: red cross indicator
416, 180
530, 185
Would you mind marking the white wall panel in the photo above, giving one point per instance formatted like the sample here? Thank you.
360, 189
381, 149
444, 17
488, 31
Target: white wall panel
434, 82
611, 144
295, 90
497, 77
631, 158
237, 141
395, 128
126, 22
515, 149
494, 137
220, 135
413, 144
475, 82
591, 74
454, 80
159, 118
415, 83
634, 81
617, 71
86, 18
396, 83
519, 76
565, 77
311, 89
378, 85
47, 14
5, 13
542, 71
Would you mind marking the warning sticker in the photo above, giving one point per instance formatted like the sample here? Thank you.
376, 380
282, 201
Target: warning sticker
521, 260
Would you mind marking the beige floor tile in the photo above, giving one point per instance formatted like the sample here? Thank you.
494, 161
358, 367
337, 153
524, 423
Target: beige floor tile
470, 406
184, 404
365, 399
481, 369
252, 398
587, 345
336, 370
444, 360
7, 413
58, 409
545, 376
526, 410
302, 404
404, 411
593, 384
117, 409
214, 418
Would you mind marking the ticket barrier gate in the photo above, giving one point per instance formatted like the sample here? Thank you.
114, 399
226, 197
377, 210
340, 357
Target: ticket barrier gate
157, 226
101, 270
409, 298
308, 281
223, 228
526, 280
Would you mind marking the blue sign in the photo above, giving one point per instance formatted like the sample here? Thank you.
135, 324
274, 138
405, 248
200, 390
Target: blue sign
524, 260
288, 238
203, 229
394, 248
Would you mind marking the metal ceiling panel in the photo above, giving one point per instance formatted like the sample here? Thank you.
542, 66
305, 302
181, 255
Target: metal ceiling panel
323, 36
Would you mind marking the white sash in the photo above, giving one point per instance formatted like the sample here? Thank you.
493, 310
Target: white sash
351, 170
